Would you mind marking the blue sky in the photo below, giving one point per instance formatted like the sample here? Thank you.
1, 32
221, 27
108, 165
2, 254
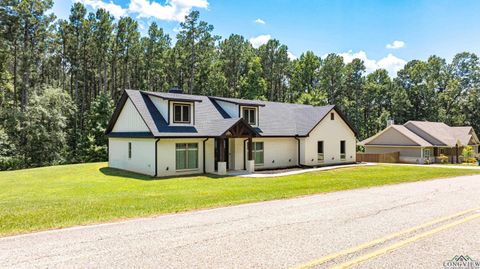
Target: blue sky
363, 29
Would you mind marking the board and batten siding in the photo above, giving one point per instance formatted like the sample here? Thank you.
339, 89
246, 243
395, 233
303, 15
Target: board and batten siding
143, 155
331, 132
129, 120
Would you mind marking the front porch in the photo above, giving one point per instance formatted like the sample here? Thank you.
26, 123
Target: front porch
233, 150
445, 154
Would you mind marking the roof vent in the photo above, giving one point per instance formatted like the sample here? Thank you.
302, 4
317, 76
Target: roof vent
175, 90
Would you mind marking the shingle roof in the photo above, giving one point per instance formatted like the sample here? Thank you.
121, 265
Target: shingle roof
426, 133
276, 119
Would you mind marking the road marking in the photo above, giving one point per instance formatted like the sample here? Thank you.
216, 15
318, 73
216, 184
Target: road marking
380, 240
400, 244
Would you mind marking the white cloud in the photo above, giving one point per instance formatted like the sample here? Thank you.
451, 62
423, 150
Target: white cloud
259, 21
114, 9
391, 63
173, 10
291, 56
259, 40
397, 44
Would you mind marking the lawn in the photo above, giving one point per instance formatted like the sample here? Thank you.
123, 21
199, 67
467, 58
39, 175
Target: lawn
68, 195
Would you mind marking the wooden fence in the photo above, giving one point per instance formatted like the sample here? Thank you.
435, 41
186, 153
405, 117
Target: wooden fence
392, 157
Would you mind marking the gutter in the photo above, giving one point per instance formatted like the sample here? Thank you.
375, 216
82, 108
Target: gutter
204, 170
298, 151
156, 156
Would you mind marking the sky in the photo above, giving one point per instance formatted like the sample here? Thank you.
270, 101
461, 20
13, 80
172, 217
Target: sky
383, 33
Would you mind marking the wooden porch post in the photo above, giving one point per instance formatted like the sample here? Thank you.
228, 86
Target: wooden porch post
222, 149
250, 148
456, 154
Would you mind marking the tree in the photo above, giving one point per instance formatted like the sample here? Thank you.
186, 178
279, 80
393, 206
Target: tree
332, 80
274, 59
94, 143
235, 55
253, 85
305, 74
156, 45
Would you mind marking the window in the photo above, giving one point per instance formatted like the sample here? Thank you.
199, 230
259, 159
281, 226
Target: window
249, 114
342, 150
320, 151
129, 150
181, 113
186, 156
427, 153
257, 152
332, 116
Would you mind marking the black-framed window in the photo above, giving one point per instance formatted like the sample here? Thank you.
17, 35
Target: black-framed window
342, 150
186, 156
181, 113
250, 115
129, 150
320, 151
258, 153
332, 116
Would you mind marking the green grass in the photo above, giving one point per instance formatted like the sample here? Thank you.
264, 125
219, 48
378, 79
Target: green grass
62, 196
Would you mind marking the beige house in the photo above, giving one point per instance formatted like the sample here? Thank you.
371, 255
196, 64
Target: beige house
167, 134
422, 141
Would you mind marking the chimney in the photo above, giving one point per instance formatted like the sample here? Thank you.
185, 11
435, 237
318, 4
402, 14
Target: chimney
175, 90
390, 122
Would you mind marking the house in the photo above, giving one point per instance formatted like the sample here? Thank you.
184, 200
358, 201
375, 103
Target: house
422, 141
170, 133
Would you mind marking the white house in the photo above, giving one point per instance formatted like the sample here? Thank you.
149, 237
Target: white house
168, 134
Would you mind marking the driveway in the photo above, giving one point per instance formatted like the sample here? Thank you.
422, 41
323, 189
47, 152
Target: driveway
277, 234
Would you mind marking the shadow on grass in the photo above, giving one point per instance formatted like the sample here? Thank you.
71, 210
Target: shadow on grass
132, 175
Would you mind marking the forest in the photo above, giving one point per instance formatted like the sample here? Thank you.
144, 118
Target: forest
60, 79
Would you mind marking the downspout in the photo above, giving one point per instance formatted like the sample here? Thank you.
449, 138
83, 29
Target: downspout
156, 157
244, 157
204, 170
298, 151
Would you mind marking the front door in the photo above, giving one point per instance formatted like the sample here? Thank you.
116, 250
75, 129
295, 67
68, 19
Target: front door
217, 152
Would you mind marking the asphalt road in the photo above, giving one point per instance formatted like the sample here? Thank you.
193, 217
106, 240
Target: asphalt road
275, 234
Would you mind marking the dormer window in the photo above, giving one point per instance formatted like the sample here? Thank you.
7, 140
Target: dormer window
250, 115
181, 113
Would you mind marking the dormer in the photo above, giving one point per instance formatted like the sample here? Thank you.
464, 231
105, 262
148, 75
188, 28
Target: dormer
249, 110
250, 114
177, 109
181, 113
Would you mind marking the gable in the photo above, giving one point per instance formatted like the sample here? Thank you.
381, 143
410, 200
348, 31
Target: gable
336, 126
391, 136
129, 120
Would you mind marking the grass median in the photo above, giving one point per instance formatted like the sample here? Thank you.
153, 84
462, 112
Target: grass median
68, 195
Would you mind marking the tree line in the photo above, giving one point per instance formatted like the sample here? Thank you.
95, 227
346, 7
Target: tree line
60, 79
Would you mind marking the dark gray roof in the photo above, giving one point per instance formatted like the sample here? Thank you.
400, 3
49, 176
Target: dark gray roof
210, 120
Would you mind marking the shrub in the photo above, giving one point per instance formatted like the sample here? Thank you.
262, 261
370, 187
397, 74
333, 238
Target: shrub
443, 158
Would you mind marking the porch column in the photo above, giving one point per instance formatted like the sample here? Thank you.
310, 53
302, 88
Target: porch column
456, 154
222, 165
250, 163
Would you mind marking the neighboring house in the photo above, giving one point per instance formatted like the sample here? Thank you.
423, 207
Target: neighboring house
165, 134
422, 141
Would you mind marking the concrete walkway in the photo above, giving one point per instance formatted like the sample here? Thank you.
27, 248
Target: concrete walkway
295, 172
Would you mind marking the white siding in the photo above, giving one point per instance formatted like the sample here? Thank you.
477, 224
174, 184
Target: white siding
143, 155
161, 105
331, 132
167, 157
277, 152
231, 109
129, 120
